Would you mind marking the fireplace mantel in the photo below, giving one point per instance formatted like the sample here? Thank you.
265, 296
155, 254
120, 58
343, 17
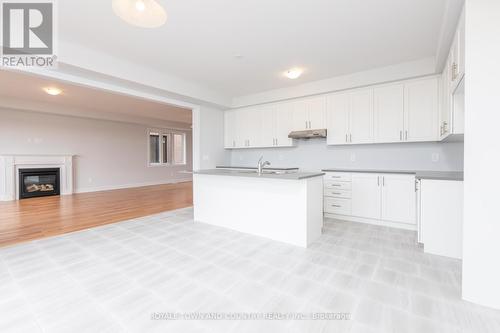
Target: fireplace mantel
10, 165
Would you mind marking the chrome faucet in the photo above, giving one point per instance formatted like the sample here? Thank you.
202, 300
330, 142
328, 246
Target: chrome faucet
261, 165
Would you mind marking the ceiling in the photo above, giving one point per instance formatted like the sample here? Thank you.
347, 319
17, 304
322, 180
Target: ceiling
201, 38
27, 88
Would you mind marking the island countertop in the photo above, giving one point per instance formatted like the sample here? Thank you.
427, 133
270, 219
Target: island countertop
253, 174
435, 175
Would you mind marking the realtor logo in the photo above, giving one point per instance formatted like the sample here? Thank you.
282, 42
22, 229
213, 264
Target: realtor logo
28, 33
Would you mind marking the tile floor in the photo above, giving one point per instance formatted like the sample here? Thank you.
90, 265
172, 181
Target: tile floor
113, 278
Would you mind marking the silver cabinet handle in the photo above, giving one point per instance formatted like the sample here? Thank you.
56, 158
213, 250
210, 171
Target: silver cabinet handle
346, 138
350, 137
400, 135
306, 123
336, 205
383, 181
336, 185
406, 135
335, 176
378, 180
276, 141
336, 193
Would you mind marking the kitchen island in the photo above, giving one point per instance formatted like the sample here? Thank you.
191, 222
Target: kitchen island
286, 207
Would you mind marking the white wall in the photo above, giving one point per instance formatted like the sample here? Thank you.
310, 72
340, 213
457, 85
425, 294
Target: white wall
208, 138
315, 155
481, 247
395, 72
109, 154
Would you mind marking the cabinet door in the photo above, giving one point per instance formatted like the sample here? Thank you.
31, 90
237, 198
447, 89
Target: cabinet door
229, 129
254, 117
361, 117
283, 125
398, 198
389, 113
239, 135
421, 110
300, 116
365, 195
445, 111
268, 124
337, 116
316, 110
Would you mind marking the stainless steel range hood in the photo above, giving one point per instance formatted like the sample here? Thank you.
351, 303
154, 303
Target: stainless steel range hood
308, 134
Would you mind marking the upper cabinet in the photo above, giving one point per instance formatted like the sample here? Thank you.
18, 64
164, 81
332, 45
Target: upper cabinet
451, 120
389, 113
258, 127
309, 113
407, 111
421, 110
350, 117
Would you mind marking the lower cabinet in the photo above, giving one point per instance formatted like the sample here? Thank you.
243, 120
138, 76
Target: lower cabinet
366, 195
398, 198
372, 197
441, 217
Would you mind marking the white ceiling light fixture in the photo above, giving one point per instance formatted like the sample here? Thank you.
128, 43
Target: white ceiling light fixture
293, 73
52, 91
141, 13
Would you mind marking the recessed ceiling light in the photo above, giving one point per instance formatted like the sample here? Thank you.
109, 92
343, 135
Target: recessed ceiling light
141, 13
293, 73
53, 91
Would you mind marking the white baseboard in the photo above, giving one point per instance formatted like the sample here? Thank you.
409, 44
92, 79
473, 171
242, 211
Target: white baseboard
124, 186
372, 221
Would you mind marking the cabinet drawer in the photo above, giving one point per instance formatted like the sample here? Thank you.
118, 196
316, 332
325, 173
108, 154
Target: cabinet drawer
337, 206
337, 193
329, 185
338, 176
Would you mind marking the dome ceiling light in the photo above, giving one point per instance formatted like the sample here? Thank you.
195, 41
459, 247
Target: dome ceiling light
141, 13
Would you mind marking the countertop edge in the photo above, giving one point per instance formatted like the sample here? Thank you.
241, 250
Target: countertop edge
432, 175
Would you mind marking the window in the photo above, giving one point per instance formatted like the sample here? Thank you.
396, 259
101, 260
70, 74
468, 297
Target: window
154, 148
179, 148
166, 153
167, 147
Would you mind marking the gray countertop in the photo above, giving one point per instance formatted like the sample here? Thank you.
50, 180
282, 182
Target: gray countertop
436, 175
253, 168
251, 174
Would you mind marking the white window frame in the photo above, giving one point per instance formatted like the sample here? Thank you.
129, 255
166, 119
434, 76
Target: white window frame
170, 151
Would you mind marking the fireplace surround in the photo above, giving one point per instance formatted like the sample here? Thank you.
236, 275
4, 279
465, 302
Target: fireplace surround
11, 164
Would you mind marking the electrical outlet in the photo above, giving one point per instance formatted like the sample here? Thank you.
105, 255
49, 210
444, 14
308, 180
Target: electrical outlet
281, 157
435, 157
353, 157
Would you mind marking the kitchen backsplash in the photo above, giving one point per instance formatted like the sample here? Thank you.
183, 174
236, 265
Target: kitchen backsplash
314, 155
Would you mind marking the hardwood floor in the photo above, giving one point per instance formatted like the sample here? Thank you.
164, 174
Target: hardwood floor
36, 218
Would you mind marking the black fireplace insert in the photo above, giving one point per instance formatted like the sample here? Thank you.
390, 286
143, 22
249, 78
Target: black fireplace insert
38, 182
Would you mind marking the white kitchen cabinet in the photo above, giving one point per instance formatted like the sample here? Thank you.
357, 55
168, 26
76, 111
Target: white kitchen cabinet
365, 195
282, 126
421, 110
361, 117
378, 198
276, 125
441, 217
268, 119
350, 117
316, 111
338, 108
389, 113
398, 198
457, 54
309, 113
229, 129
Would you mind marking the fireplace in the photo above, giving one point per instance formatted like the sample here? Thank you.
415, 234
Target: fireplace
38, 182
